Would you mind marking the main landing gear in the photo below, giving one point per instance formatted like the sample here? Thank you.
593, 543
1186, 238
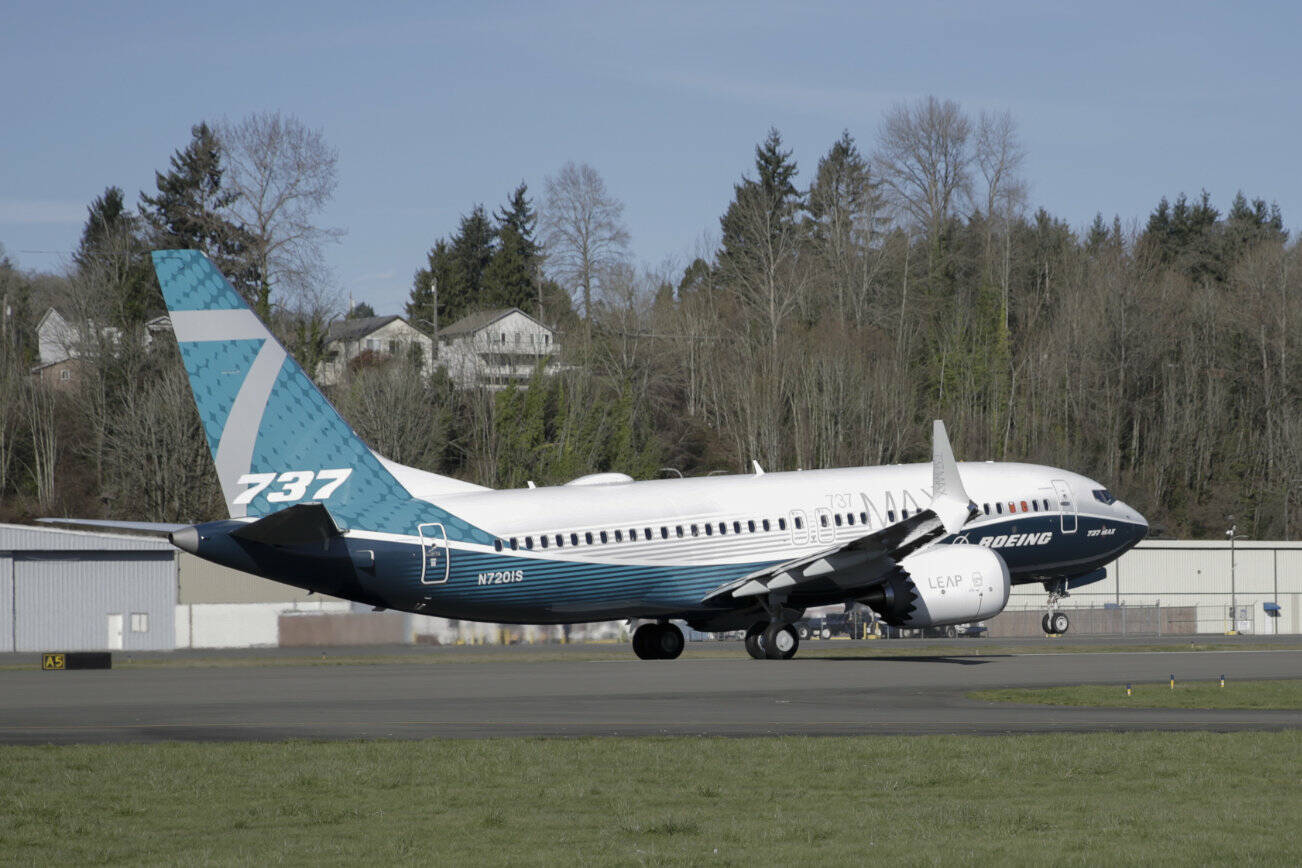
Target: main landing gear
770, 641
1055, 623
658, 641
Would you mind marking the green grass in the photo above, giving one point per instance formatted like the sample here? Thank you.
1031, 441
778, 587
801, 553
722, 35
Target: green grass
1186, 694
1084, 799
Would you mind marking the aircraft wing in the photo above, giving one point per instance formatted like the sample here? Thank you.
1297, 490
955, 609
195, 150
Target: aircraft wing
840, 571
837, 572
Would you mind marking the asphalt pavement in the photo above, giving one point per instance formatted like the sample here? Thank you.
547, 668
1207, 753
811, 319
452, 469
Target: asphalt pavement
604, 693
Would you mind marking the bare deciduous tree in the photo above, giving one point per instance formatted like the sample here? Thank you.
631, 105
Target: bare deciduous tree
583, 229
284, 174
923, 156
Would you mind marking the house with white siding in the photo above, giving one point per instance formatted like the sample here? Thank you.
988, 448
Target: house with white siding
494, 348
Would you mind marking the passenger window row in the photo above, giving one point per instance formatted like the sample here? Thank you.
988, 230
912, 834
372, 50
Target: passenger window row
1031, 506
644, 534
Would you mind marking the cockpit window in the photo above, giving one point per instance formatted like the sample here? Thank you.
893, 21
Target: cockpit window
1102, 495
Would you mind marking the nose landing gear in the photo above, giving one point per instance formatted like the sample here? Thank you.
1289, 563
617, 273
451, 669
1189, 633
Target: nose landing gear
1055, 623
658, 641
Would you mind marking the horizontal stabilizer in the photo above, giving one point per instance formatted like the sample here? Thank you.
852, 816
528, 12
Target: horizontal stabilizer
298, 525
152, 528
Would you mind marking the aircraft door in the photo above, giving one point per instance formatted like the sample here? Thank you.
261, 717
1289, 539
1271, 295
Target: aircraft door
799, 527
823, 517
434, 563
1067, 504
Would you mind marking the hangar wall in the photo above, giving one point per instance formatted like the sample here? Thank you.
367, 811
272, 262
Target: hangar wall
1197, 574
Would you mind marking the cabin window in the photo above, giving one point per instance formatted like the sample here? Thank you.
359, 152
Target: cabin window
849, 518
497, 544
986, 507
709, 529
766, 524
800, 523
542, 540
1035, 505
679, 530
999, 508
782, 524
603, 538
574, 539
837, 518
664, 532
515, 544
696, 531
723, 528
646, 533
528, 542
1024, 509
619, 535
904, 513
736, 527
632, 534
1012, 507
588, 537
822, 519
751, 525
560, 540
863, 518
890, 514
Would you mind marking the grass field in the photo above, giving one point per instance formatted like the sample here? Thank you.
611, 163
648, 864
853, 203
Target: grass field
1191, 694
1106, 798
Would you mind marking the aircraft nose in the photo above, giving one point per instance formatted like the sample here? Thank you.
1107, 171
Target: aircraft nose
1132, 515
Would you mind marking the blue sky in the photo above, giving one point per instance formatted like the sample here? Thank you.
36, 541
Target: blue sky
434, 107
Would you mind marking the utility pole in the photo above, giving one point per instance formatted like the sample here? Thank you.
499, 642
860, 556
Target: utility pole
1234, 609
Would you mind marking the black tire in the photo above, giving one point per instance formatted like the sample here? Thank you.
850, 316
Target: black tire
1044, 624
951, 632
669, 642
780, 643
802, 631
755, 640
644, 644
1060, 623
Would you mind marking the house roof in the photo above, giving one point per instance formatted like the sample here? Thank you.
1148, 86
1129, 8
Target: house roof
355, 329
482, 319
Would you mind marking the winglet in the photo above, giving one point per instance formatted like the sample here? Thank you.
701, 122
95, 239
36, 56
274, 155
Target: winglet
949, 500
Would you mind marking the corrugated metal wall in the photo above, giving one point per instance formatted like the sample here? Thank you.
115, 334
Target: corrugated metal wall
1196, 574
6, 602
64, 600
205, 582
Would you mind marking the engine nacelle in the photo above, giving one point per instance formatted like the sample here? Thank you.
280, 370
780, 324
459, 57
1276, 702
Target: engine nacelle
947, 584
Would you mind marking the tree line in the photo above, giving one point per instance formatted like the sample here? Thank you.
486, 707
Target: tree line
833, 317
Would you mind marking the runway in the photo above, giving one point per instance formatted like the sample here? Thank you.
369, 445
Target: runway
610, 694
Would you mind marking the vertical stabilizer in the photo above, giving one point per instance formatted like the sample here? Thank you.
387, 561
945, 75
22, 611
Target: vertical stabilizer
276, 441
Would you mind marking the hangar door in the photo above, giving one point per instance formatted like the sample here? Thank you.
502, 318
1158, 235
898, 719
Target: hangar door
94, 601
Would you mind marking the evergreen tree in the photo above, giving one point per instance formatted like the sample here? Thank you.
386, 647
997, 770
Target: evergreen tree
762, 215
361, 310
428, 283
187, 211
111, 261
471, 252
510, 279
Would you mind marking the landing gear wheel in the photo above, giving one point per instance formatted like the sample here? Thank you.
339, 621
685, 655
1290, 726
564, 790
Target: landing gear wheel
658, 642
668, 641
780, 643
755, 640
951, 632
1045, 625
1059, 622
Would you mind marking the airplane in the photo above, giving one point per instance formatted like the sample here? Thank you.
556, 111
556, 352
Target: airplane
310, 505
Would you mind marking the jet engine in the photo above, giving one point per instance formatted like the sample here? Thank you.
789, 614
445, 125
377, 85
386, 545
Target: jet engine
946, 584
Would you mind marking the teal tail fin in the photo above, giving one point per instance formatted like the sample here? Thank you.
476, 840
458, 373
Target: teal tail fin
274, 437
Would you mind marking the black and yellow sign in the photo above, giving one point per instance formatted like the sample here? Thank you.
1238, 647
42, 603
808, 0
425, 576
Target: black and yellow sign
54, 661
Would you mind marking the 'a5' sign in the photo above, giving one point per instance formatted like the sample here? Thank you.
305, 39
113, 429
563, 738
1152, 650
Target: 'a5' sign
293, 484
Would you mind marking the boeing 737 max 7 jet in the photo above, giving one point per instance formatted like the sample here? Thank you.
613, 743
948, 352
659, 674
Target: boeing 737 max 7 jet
312, 506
